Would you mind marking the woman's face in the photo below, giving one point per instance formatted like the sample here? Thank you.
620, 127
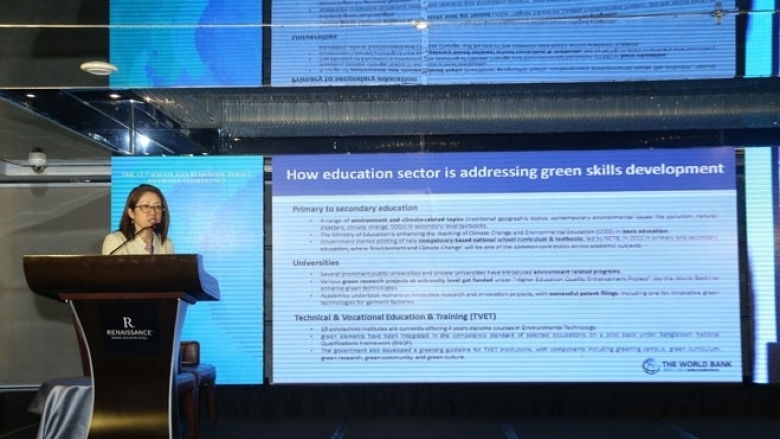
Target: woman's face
148, 211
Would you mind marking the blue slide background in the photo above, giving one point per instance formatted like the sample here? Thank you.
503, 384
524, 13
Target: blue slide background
760, 39
178, 43
760, 170
216, 206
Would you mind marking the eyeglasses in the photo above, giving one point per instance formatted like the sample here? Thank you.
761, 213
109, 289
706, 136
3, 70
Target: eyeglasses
145, 208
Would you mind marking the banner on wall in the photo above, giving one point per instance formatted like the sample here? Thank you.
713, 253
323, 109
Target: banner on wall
761, 224
216, 210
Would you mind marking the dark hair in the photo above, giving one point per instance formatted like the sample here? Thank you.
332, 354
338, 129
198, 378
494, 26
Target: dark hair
126, 223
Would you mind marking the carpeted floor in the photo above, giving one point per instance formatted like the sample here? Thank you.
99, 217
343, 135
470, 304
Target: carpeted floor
426, 428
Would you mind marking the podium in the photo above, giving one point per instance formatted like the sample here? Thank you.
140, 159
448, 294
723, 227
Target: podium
129, 312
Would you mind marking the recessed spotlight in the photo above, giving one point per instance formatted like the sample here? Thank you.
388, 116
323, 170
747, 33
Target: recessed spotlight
115, 96
99, 68
30, 95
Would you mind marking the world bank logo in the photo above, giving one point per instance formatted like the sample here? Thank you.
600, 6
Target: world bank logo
650, 366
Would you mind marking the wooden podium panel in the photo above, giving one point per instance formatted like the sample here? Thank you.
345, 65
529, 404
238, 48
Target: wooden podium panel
52, 276
129, 311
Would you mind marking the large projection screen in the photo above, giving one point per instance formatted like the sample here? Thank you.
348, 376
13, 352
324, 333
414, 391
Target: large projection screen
597, 266
216, 210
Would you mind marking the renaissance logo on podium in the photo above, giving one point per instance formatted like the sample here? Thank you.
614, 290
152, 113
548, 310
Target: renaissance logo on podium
129, 332
130, 329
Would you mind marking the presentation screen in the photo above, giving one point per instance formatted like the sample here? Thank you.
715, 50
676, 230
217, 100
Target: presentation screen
170, 43
316, 43
216, 210
761, 220
588, 266
209, 43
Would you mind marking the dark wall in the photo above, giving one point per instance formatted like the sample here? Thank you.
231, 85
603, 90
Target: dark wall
13, 411
68, 33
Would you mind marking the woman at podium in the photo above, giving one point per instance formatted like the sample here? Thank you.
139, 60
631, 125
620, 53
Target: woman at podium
143, 229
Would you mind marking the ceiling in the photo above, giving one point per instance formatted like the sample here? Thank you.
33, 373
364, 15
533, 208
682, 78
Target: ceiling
273, 121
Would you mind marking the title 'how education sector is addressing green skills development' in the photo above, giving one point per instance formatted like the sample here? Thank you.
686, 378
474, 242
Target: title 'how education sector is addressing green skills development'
603, 170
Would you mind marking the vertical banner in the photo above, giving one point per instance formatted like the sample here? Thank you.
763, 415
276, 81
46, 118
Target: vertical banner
216, 210
761, 174
761, 39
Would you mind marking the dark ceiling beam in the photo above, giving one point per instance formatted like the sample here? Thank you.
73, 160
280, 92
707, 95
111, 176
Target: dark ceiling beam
498, 109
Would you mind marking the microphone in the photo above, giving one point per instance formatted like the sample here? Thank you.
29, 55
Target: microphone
151, 241
155, 227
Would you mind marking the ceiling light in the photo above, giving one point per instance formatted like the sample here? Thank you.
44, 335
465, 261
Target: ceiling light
99, 68
115, 96
142, 141
420, 24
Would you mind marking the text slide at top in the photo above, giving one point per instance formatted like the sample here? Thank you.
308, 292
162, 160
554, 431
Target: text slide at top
319, 42
506, 267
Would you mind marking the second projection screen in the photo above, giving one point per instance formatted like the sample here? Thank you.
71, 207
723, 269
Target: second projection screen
506, 267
